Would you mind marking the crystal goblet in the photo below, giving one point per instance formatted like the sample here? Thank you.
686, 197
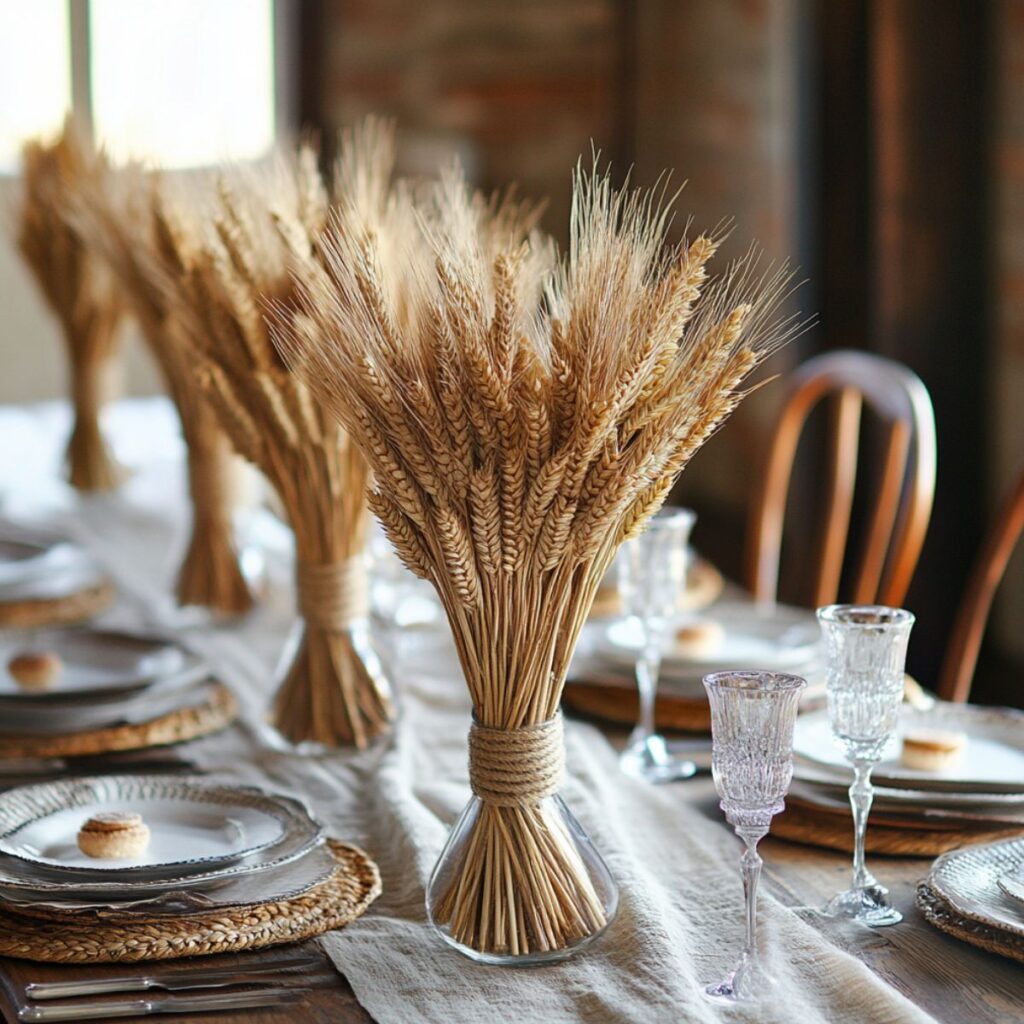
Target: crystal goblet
652, 575
752, 719
866, 651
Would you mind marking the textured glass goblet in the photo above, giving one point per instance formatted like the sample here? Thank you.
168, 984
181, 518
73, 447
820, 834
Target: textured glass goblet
752, 718
652, 575
866, 652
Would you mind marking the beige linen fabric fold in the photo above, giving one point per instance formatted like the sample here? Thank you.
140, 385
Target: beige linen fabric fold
679, 924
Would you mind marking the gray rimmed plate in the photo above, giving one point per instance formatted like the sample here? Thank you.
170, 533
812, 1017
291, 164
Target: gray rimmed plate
95, 665
228, 830
969, 880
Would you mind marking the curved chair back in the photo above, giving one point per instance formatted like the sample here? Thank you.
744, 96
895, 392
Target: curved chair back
906, 490
972, 616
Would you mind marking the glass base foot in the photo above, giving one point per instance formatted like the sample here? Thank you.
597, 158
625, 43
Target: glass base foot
748, 982
648, 758
867, 906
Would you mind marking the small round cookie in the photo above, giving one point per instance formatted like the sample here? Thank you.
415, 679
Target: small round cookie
35, 670
698, 639
114, 835
932, 750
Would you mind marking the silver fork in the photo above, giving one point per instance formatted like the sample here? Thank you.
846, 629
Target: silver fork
174, 1004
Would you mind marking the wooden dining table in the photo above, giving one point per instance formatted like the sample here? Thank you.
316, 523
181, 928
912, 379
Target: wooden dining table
952, 981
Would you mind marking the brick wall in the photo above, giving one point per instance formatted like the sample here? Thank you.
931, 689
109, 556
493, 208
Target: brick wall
519, 88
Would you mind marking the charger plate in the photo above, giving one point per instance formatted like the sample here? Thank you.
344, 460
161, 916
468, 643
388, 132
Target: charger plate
63, 610
940, 914
59, 938
210, 708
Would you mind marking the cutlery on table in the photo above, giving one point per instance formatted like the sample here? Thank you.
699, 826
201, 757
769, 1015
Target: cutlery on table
105, 1010
172, 981
30, 767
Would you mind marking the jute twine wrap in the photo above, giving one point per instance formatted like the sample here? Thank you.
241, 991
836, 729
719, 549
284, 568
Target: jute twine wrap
332, 595
517, 767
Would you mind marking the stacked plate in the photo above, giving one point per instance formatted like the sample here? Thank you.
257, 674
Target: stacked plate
731, 634
983, 791
40, 571
210, 846
99, 679
977, 894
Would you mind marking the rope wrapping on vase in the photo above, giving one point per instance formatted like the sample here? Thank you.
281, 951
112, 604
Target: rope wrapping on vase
333, 595
517, 767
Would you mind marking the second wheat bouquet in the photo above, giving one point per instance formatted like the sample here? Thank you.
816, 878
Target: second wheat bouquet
236, 244
523, 418
114, 215
79, 289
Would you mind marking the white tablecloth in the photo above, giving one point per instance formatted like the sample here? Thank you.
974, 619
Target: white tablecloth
679, 923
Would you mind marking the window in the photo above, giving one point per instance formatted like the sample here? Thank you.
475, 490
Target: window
35, 73
175, 82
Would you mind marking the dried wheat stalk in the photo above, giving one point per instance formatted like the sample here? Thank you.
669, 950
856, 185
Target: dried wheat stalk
79, 290
113, 215
515, 444
235, 261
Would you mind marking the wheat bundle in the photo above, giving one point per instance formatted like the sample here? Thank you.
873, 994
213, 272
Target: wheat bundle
80, 292
515, 444
236, 261
114, 215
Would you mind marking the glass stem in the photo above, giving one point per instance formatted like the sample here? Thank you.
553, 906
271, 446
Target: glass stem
861, 794
648, 668
751, 865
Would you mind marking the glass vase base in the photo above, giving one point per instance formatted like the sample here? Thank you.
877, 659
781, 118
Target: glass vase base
269, 736
649, 759
535, 959
746, 984
867, 906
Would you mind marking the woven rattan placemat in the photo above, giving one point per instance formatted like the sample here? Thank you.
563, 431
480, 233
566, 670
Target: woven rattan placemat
819, 826
56, 611
341, 898
214, 709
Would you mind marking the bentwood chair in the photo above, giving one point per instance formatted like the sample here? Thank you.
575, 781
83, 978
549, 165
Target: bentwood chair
972, 616
902, 504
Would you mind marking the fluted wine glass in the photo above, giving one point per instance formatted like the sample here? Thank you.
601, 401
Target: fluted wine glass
752, 719
652, 575
866, 651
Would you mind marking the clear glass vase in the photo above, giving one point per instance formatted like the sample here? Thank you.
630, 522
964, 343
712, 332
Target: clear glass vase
520, 885
333, 692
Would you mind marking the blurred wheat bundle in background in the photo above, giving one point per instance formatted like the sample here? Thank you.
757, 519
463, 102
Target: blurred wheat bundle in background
116, 218
524, 416
234, 241
80, 291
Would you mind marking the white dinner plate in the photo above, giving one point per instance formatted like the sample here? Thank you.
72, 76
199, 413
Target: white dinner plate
194, 827
94, 664
772, 637
992, 762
